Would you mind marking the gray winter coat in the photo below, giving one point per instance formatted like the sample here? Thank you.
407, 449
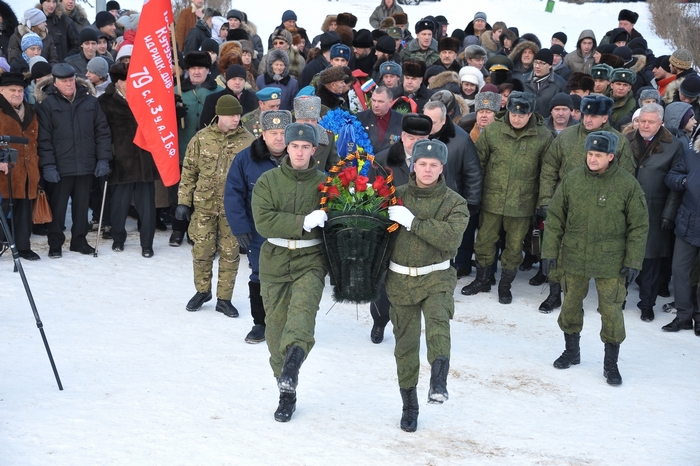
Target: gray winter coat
575, 61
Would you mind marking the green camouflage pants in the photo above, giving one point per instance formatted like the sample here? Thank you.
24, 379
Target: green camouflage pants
290, 314
438, 309
489, 233
611, 294
211, 234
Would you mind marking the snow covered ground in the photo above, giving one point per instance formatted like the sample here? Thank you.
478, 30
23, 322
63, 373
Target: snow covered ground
148, 383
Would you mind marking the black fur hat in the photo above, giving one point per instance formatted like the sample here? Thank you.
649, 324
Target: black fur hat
580, 81
521, 103
596, 104
346, 19
201, 59
448, 43
602, 141
417, 124
413, 68
628, 15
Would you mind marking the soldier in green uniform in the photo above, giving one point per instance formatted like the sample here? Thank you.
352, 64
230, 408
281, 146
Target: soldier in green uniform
307, 109
420, 277
207, 161
597, 223
621, 82
292, 273
511, 150
423, 47
268, 99
566, 153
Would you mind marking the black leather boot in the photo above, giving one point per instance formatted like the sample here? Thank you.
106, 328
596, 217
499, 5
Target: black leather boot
438, 380
610, 370
572, 353
552, 301
409, 417
539, 277
257, 310
290, 371
286, 407
504, 294
480, 284
195, 304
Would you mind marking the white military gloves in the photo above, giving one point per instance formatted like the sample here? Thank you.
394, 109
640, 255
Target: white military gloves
317, 218
401, 215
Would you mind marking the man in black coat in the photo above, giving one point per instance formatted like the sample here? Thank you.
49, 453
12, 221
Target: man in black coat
74, 144
413, 87
235, 86
542, 82
462, 171
383, 125
200, 32
322, 61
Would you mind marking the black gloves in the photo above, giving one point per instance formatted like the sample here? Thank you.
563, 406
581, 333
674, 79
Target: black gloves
182, 212
244, 240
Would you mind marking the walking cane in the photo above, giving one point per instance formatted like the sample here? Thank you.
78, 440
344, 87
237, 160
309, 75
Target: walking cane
99, 224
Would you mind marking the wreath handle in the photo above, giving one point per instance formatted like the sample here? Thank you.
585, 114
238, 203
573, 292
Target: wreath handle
333, 172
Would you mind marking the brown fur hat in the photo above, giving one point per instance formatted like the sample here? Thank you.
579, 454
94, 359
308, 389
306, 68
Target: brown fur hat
448, 43
228, 47
413, 68
612, 60
387, 23
346, 35
580, 81
228, 59
346, 19
400, 18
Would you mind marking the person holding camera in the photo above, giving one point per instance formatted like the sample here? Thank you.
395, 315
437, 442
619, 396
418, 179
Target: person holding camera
17, 118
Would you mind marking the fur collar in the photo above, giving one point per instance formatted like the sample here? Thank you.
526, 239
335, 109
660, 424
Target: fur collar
259, 151
7, 109
42, 91
58, 12
488, 43
250, 28
22, 30
518, 49
445, 78
639, 64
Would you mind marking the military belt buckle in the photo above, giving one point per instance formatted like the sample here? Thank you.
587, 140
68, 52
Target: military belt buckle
413, 271
291, 244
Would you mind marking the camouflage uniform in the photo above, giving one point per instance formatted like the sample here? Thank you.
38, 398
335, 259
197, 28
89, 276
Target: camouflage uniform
622, 107
413, 52
566, 153
510, 162
209, 156
599, 222
292, 280
251, 122
436, 233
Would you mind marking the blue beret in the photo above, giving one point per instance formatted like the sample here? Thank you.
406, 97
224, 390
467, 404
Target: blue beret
269, 93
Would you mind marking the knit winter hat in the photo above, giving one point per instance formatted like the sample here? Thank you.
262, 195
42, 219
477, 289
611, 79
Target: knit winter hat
602, 141
386, 44
210, 45
275, 119
228, 105
332, 74
30, 40
545, 55
40, 69
479, 15
238, 34
690, 87
560, 36
34, 60
561, 99
430, 149
289, 15
234, 14
301, 132
124, 51
99, 66
487, 101
557, 49
88, 35
663, 62
112, 5
682, 59
104, 18
34, 16
307, 107
602, 71
521, 103
235, 71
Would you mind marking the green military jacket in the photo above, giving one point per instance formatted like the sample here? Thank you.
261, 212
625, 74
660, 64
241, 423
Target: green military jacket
251, 122
621, 107
205, 168
568, 151
326, 155
436, 233
193, 97
282, 197
412, 51
510, 163
600, 222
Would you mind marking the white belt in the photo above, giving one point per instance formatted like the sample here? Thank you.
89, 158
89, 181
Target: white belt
294, 243
416, 271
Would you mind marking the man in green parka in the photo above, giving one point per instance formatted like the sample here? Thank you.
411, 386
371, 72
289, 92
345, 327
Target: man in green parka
511, 150
567, 152
597, 223
292, 273
621, 82
420, 277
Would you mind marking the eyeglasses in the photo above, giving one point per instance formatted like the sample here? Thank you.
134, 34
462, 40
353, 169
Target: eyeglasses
540, 63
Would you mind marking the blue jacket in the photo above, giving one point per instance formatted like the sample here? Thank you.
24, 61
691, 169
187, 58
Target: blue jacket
245, 170
688, 169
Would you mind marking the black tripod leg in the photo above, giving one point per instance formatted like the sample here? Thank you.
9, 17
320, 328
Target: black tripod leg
15, 255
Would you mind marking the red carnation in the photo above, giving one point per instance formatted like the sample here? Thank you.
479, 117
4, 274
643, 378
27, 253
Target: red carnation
361, 183
333, 192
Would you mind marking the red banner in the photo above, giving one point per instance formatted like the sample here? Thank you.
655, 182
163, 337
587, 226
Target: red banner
150, 89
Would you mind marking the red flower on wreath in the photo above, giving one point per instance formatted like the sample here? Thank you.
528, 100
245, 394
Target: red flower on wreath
361, 183
379, 181
347, 175
333, 192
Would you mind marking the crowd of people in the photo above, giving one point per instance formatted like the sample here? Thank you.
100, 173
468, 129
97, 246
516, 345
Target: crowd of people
494, 139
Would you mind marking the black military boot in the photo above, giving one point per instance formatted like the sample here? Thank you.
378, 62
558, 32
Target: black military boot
552, 301
528, 262
226, 308
290, 371
610, 370
257, 310
539, 277
438, 380
504, 294
409, 417
195, 304
481, 283
572, 353
286, 407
